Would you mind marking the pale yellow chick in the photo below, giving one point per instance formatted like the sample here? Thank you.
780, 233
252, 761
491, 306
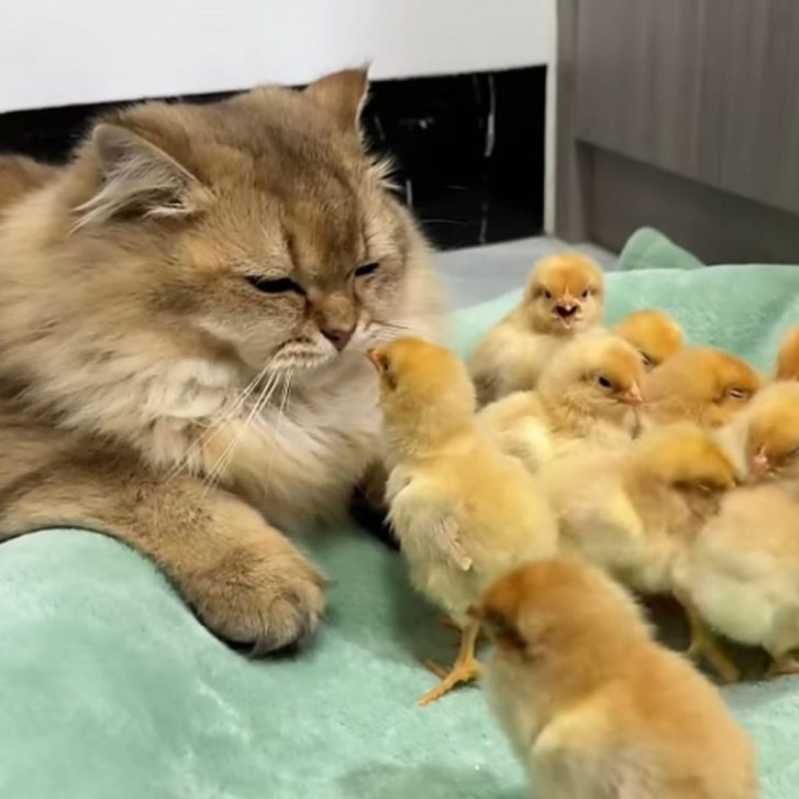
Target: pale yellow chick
588, 394
594, 707
743, 577
636, 513
463, 511
564, 297
655, 334
701, 384
743, 574
788, 358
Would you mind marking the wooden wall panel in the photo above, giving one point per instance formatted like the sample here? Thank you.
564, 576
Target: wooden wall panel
708, 89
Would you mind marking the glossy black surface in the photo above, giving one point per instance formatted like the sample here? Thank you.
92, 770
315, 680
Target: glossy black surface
469, 148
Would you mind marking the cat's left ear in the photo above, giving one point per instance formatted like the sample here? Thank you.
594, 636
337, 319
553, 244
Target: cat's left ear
137, 178
342, 95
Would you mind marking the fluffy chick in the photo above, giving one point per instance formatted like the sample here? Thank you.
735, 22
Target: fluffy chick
788, 358
588, 394
564, 296
701, 384
743, 573
764, 438
593, 706
464, 512
636, 513
654, 334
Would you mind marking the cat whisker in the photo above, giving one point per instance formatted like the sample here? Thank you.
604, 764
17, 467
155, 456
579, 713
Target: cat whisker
226, 457
283, 407
218, 423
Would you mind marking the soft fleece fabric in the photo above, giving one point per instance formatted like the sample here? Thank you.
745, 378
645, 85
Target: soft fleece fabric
109, 687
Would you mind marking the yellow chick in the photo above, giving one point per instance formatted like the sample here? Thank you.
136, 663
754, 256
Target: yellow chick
589, 393
636, 513
564, 297
743, 573
788, 358
464, 512
592, 705
704, 385
764, 438
654, 334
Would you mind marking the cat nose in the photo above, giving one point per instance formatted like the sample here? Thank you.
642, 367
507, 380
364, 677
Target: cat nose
339, 337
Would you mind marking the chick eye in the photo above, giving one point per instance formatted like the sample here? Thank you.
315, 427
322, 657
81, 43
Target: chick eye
547, 294
366, 269
738, 393
280, 285
586, 294
604, 382
648, 362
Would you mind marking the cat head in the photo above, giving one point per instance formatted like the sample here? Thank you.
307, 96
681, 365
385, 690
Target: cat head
259, 222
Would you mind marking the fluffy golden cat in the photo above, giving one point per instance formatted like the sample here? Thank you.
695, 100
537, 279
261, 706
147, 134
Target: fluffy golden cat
184, 312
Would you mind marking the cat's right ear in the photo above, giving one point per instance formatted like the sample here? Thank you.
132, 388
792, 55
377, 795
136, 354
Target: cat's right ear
138, 179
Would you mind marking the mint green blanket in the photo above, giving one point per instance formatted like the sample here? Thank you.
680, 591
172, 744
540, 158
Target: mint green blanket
109, 689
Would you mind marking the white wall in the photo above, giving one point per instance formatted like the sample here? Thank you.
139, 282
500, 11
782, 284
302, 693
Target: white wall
59, 52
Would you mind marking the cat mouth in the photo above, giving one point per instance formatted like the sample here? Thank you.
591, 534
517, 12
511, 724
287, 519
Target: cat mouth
301, 354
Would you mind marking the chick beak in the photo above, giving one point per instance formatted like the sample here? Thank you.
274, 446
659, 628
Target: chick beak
372, 355
632, 396
759, 466
566, 308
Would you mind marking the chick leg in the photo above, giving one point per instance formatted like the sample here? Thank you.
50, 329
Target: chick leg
704, 645
782, 665
465, 669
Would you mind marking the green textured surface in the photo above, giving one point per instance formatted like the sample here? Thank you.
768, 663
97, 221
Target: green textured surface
109, 687
648, 248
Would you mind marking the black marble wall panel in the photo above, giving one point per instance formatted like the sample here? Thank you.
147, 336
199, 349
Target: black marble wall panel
469, 149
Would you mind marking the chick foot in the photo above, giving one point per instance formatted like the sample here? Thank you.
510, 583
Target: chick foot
703, 645
465, 669
782, 666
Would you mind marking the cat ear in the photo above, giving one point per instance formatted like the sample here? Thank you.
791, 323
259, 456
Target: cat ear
342, 95
138, 178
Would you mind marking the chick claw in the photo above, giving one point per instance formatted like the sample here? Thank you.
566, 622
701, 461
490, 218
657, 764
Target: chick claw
460, 674
782, 666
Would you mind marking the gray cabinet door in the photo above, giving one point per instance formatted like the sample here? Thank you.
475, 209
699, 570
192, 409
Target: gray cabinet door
708, 89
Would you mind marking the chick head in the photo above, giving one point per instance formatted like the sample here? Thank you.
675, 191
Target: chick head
772, 433
788, 359
419, 379
550, 605
686, 456
565, 294
599, 373
653, 333
705, 385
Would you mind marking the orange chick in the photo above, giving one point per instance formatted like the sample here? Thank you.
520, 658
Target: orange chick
463, 511
704, 385
589, 394
654, 334
788, 358
592, 705
764, 438
635, 513
564, 296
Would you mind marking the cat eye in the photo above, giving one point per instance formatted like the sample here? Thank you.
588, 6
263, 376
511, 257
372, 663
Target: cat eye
280, 285
366, 269
604, 382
